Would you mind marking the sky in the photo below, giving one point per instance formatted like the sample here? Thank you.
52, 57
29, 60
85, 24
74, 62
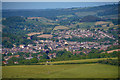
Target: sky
60, 0
35, 4
50, 5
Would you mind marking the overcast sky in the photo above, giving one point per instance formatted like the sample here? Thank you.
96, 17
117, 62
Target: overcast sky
60, 0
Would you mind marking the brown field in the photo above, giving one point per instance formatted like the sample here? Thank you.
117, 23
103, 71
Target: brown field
60, 27
34, 17
113, 51
101, 22
30, 34
45, 36
40, 18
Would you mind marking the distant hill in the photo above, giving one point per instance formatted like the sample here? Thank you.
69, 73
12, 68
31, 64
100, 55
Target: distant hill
52, 13
90, 18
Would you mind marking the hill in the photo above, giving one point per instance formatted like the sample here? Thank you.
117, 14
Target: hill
103, 10
90, 18
18, 23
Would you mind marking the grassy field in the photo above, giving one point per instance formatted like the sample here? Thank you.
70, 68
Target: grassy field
78, 61
61, 71
82, 14
93, 70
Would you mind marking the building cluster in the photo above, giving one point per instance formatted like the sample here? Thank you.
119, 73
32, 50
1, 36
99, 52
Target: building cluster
82, 33
62, 44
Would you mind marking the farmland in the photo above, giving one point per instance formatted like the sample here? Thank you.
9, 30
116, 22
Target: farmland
78, 61
60, 27
93, 70
61, 71
30, 34
45, 36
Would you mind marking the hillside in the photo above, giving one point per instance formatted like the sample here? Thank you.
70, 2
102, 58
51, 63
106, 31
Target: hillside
61, 43
52, 13
90, 18
63, 33
21, 22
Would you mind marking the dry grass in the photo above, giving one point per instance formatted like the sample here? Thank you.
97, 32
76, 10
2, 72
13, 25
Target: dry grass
30, 34
113, 51
60, 27
45, 36
101, 22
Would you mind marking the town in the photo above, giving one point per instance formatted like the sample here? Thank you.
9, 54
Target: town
63, 42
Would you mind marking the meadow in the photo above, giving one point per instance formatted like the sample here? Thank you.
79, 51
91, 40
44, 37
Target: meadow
93, 70
78, 61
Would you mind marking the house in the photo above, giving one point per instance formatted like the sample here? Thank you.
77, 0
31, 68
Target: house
50, 48
30, 45
67, 48
16, 62
28, 38
54, 55
17, 56
77, 52
50, 56
21, 46
28, 58
14, 45
66, 43
60, 49
5, 62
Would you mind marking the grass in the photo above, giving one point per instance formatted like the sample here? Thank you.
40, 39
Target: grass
94, 70
86, 24
61, 71
45, 36
34, 33
78, 61
82, 14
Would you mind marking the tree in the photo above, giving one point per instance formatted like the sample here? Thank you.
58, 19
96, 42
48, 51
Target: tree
9, 54
45, 47
34, 60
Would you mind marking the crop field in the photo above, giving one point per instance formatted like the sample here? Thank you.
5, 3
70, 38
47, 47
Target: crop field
45, 36
94, 70
30, 34
77, 61
101, 22
60, 27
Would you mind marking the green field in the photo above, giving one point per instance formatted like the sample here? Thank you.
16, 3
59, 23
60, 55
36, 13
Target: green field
94, 70
78, 61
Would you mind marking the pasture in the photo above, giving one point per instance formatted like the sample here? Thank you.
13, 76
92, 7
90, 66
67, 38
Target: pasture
93, 70
77, 61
